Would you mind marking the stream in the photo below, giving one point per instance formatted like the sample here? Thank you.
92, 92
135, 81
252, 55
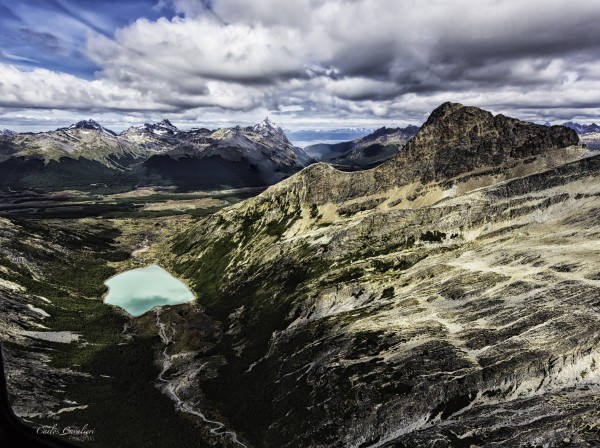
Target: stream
218, 427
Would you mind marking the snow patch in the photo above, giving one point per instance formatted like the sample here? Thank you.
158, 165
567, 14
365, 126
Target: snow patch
38, 310
7, 284
63, 337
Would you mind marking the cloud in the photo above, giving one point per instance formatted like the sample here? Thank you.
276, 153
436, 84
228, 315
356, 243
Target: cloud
41, 88
350, 59
361, 88
200, 48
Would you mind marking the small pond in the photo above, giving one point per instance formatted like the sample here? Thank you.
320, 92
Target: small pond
138, 290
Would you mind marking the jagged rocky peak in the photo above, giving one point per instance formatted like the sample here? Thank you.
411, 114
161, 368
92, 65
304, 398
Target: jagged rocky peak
582, 128
271, 131
409, 130
442, 111
383, 131
90, 125
4, 131
165, 123
457, 139
162, 127
267, 127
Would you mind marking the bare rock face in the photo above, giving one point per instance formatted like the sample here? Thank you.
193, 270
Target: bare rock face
456, 139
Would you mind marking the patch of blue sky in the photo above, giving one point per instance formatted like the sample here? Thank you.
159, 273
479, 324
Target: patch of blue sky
51, 34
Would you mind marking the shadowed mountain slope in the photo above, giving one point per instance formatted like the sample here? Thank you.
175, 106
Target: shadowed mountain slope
364, 152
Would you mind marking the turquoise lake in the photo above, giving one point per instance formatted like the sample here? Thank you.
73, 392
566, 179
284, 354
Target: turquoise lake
138, 290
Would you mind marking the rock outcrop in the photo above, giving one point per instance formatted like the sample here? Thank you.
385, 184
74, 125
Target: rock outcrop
456, 139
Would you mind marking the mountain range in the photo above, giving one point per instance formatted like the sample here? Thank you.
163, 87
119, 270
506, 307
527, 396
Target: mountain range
582, 128
363, 152
87, 154
327, 134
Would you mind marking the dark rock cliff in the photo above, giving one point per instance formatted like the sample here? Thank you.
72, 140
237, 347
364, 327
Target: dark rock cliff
456, 139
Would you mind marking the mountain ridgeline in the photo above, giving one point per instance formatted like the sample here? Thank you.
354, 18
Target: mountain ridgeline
86, 155
582, 129
445, 297
363, 152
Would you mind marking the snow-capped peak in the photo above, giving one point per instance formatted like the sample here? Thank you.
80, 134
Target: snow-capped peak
267, 127
162, 127
90, 125
6, 132
165, 122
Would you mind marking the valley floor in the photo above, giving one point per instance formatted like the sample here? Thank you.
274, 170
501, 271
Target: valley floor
70, 359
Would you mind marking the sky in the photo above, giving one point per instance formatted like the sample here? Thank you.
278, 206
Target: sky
306, 64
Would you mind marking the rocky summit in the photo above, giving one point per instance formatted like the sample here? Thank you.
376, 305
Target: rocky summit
449, 297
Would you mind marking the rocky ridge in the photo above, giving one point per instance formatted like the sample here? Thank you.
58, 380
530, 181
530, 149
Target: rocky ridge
448, 296
364, 152
90, 125
85, 139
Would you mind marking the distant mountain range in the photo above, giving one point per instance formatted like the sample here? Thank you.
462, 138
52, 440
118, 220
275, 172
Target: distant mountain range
579, 128
327, 134
86, 154
364, 152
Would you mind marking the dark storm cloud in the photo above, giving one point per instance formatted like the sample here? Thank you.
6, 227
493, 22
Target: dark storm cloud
477, 53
